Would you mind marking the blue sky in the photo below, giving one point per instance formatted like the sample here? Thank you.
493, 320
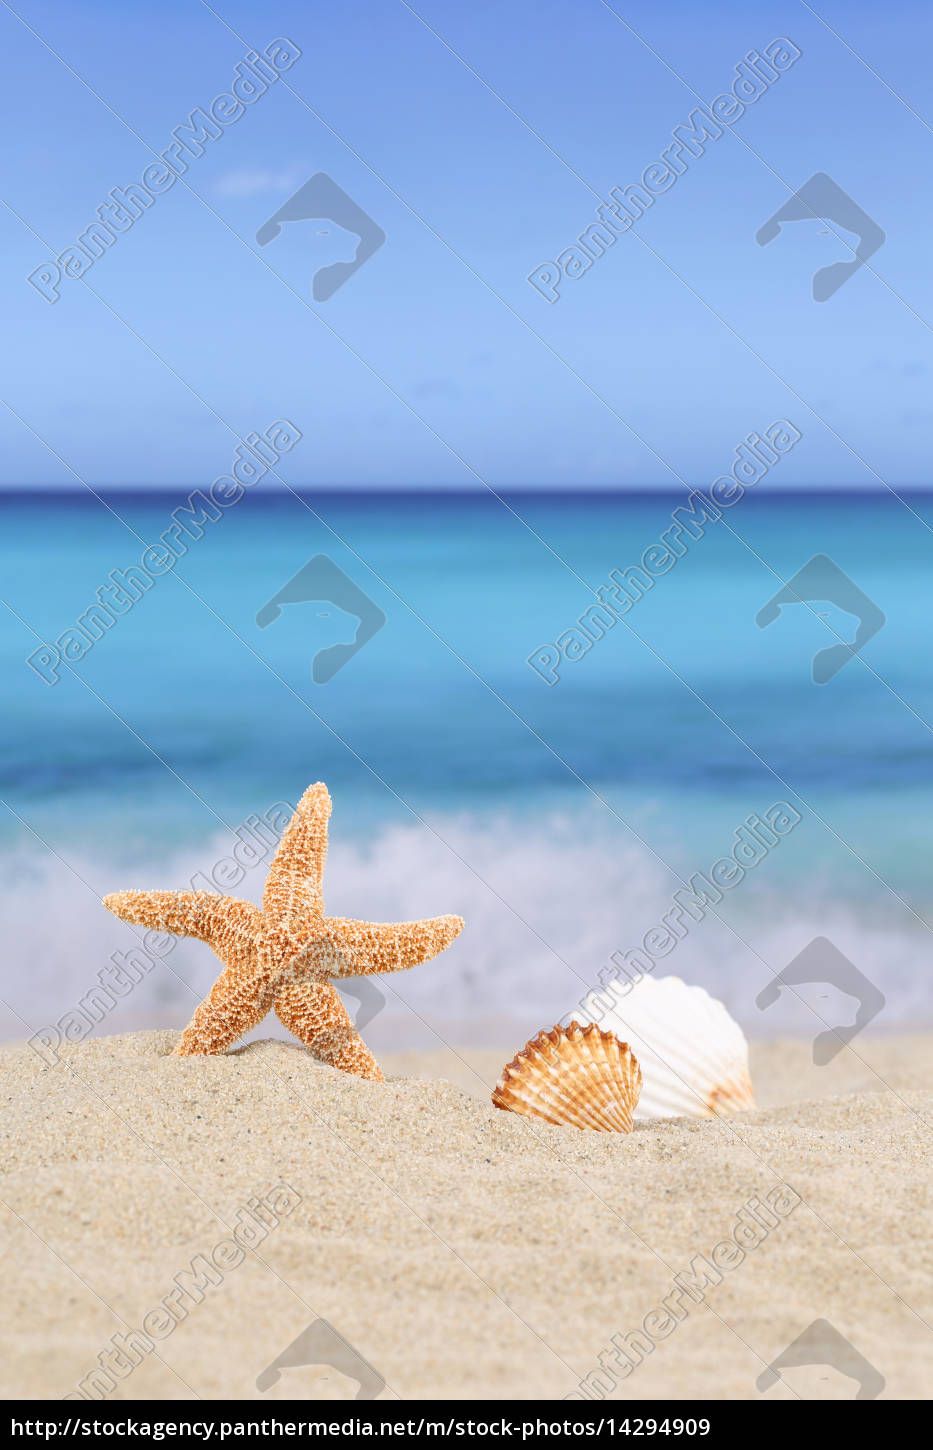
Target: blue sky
437, 363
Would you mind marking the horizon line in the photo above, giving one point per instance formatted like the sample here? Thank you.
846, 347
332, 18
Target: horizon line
77, 490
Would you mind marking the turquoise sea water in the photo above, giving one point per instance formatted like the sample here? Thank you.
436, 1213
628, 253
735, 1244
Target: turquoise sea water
557, 819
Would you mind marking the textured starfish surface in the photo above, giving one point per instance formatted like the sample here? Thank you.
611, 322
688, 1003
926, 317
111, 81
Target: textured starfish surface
285, 955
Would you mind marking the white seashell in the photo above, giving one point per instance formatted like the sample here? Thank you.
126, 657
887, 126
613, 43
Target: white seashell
693, 1055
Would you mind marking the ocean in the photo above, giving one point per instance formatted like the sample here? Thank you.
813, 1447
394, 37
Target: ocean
558, 817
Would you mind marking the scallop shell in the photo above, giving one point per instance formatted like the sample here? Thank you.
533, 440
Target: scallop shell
574, 1076
693, 1055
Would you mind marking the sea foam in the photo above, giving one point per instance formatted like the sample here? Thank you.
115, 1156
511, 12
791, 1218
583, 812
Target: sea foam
546, 903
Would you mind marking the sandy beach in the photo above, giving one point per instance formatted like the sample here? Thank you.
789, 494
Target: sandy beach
455, 1251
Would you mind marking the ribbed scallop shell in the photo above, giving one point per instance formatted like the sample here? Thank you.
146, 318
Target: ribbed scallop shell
693, 1055
579, 1077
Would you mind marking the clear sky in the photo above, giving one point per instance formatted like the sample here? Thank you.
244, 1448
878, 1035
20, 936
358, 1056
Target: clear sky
480, 138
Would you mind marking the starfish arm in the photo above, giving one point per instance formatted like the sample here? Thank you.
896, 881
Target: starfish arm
237, 1002
229, 925
360, 948
295, 877
314, 1013
183, 913
242, 995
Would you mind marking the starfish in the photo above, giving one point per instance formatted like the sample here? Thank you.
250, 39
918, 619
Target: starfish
284, 955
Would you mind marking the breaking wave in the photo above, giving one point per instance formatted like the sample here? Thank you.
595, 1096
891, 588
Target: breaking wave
546, 904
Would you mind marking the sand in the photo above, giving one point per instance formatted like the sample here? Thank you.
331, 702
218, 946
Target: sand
455, 1250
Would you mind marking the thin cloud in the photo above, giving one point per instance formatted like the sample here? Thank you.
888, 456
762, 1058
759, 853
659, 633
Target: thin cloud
255, 181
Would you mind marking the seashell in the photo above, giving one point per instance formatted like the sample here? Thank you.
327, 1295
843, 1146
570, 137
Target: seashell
574, 1076
693, 1055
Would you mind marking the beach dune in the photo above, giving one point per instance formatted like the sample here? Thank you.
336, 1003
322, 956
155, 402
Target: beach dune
180, 1228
